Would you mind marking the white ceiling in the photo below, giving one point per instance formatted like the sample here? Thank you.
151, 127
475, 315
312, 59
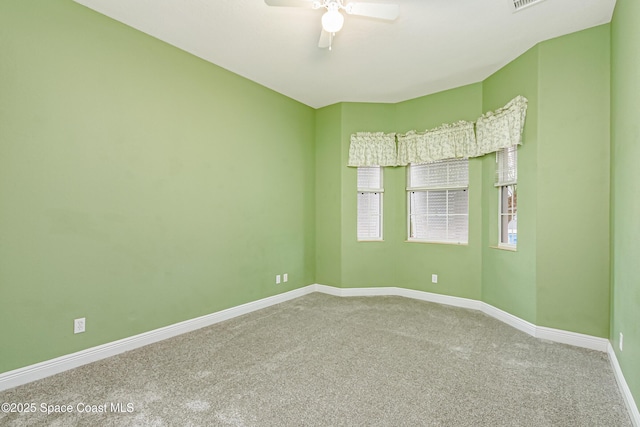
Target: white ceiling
434, 45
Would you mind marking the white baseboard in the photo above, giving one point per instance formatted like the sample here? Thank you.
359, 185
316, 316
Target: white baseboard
555, 335
550, 334
439, 298
624, 388
63, 363
572, 338
400, 292
509, 319
50, 367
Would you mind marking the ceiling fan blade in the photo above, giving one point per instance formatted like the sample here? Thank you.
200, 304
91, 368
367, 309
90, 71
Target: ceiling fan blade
374, 10
290, 3
325, 39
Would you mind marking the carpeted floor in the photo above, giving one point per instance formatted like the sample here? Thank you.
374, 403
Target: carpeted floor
329, 361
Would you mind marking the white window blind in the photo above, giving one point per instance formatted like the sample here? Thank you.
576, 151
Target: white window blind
370, 191
507, 166
443, 174
438, 201
370, 178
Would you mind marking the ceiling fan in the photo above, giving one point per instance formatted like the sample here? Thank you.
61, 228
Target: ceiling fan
332, 20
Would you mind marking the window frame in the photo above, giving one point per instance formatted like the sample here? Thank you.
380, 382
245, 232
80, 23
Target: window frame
502, 214
441, 188
380, 192
503, 185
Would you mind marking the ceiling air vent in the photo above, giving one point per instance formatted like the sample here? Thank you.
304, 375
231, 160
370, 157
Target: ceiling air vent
521, 4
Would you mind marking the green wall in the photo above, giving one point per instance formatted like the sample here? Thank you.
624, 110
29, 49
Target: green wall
559, 275
625, 193
139, 186
392, 262
509, 278
572, 257
458, 266
328, 186
365, 264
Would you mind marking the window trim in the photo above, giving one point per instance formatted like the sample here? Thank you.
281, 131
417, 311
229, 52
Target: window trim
501, 244
503, 186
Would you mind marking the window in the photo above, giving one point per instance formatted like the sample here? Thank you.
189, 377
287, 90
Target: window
438, 201
370, 191
506, 181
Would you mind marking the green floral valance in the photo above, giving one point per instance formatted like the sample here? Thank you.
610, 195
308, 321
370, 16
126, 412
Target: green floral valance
502, 128
448, 141
492, 132
373, 149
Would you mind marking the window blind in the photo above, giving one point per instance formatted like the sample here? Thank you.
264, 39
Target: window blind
369, 178
443, 174
439, 201
369, 216
370, 189
507, 166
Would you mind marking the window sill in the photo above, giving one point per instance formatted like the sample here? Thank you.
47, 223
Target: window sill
370, 241
505, 248
437, 243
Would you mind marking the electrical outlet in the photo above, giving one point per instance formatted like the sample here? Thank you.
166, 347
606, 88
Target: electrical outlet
285, 277
78, 325
434, 278
621, 341
278, 279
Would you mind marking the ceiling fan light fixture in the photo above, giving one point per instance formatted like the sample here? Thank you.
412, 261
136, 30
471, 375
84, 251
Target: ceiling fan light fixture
332, 21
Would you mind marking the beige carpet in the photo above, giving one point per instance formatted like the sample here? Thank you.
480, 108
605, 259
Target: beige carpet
328, 361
